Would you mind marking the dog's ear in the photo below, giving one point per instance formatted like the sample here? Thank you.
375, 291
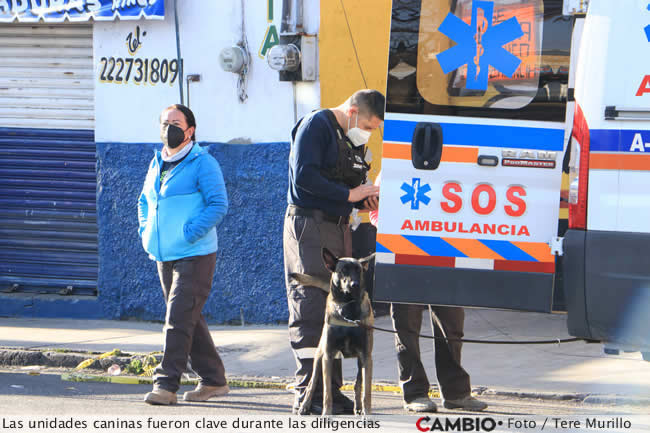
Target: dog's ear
366, 261
329, 259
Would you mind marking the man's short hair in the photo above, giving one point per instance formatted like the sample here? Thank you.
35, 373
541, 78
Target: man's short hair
369, 102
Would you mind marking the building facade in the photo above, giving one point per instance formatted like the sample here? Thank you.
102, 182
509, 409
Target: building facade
82, 85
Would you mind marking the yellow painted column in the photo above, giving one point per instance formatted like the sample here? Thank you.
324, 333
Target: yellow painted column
353, 50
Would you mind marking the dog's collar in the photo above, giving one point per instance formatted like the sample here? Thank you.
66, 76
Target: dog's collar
345, 322
342, 321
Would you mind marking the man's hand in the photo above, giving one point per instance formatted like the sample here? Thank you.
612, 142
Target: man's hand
363, 191
371, 203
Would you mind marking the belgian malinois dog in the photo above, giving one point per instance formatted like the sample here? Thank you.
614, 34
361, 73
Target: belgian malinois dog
346, 329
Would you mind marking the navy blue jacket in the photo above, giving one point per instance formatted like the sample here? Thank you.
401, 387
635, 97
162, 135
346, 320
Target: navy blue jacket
313, 150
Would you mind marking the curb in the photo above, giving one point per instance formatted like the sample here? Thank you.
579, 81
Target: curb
143, 380
591, 399
13, 357
234, 382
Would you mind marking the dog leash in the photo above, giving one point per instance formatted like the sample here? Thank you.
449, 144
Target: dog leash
349, 322
469, 340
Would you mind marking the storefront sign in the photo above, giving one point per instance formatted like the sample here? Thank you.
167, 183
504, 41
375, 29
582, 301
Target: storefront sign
28, 11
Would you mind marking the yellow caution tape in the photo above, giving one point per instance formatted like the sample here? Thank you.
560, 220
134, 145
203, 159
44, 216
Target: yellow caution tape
434, 393
114, 352
84, 364
150, 363
148, 371
89, 361
375, 387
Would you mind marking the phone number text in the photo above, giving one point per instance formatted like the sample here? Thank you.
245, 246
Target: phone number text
138, 71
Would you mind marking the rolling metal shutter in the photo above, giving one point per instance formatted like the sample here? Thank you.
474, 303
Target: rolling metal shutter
46, 76
48, 223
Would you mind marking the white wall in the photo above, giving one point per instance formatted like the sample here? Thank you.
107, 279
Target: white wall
308, 93
129, 112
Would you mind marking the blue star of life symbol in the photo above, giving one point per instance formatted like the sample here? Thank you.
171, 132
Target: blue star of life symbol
415, 193
480, 45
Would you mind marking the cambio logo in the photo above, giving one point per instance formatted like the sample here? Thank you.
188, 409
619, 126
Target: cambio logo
458, 424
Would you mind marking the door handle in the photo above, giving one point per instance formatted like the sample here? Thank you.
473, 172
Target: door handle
426, 146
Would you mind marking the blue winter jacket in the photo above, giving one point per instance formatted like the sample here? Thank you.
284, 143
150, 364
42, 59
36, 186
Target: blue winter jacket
178, 218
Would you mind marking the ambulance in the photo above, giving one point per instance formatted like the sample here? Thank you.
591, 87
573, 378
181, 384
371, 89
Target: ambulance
487, 101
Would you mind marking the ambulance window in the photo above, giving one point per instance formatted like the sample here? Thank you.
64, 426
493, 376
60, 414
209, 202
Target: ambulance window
482, 58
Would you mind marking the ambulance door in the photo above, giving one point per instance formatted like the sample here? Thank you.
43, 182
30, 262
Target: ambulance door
472, 154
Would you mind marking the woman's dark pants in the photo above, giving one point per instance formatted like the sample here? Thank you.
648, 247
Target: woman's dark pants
186, 284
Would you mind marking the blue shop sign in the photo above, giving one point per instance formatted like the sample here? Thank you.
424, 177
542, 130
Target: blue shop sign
30, 11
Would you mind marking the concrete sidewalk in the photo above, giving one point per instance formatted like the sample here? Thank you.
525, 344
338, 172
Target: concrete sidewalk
263, 351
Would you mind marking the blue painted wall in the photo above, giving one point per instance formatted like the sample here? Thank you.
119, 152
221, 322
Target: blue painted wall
249, 274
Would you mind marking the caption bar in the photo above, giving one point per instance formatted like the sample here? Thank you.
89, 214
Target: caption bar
288, 423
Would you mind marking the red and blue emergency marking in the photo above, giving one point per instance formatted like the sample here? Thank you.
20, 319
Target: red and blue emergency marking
465, 253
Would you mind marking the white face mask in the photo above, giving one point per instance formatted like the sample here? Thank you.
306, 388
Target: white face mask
358, 136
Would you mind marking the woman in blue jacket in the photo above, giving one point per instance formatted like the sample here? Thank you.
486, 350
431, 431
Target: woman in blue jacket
182, 201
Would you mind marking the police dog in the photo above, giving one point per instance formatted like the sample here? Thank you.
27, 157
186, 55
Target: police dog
346, 329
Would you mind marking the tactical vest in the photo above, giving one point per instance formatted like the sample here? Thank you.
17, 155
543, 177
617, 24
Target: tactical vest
351, 167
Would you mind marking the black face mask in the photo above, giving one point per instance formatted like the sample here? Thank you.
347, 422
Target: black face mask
172, 136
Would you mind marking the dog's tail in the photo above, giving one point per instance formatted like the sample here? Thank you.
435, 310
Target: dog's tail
309, 280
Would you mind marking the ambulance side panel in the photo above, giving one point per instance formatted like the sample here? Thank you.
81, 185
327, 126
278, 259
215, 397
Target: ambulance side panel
607, 266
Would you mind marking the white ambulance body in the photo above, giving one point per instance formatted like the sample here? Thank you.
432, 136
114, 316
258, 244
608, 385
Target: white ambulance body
606, 254
479, 116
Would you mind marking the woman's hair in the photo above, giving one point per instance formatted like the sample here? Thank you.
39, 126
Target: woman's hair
189, 116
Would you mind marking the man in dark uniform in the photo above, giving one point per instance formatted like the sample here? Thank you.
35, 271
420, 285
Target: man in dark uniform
327, 175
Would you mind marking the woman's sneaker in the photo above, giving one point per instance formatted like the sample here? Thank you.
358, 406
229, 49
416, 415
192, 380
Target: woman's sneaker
421, 404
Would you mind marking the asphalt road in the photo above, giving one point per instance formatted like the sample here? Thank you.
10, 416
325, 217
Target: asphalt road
47, 395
